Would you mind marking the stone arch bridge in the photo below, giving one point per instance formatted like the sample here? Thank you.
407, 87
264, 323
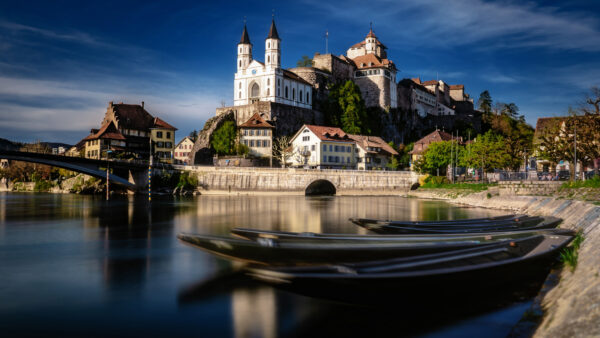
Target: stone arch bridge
301, 181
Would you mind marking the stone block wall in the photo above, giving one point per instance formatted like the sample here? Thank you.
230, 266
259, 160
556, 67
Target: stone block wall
375, 90
528, 188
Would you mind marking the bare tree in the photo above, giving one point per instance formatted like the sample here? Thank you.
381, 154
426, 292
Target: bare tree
282, 149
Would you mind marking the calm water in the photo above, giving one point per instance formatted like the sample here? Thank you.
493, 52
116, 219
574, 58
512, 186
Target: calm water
80, 266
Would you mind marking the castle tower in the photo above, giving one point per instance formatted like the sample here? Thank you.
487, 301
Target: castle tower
371, 42
273, 48
244, 55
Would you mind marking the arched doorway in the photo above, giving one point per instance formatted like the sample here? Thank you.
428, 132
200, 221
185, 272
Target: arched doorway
320, 187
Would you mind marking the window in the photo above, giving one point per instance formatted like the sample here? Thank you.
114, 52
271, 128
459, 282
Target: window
168, 134
330, 159
268, 91
300, 95
255, 91
330, 147
240, 85
337, 159
240, 63
251, 132
268, 45
324, 158
313, 147
293, 93
307, 98
268, 82
159, 134
159, 144
246, 142
324, 147
268, 59
265, 143
349, 149
347, 159
336, 148
251, 143
240, 50
245, 132
240, 95
286, 92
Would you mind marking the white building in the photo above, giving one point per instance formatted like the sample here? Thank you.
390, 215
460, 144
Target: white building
257, 134
182, 150
258, 81
322, 147
372, 152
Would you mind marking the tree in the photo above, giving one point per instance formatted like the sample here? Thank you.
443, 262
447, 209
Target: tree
305, 61
223, 139
484, 103
354, 114
487, 151
510, 109
193, 135
282, 149
438, 156
393, 164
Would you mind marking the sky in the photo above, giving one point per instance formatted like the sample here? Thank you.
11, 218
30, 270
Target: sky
61, 62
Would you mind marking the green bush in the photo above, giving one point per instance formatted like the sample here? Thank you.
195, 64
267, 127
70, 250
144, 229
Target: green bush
42, 186
187, 181
591, 183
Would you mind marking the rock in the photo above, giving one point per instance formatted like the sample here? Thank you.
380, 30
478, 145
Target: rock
202, 153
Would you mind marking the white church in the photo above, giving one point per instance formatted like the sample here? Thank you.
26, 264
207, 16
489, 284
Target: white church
256, 81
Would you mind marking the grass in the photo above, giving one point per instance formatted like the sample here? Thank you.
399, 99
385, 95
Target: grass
476, 187
570, 254
591, 183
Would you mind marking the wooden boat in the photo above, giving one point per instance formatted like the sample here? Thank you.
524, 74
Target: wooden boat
524, 220
461, 275
256, 234
276, 252
528, 225
488, 220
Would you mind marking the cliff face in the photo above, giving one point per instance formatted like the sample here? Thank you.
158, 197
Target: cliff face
202, 153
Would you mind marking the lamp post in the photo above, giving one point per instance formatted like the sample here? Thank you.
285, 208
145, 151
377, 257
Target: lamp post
107, 174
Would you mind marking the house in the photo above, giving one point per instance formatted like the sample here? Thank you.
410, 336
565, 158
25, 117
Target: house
257, 135
372, 152
322, 147
421, 145
182, 150
129, 130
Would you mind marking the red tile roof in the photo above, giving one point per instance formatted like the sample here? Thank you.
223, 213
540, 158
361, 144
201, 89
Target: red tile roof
107, 131
362, 43
372, 61
371, 34
436, 136
255, 121
159, 123
132, 116
430, 83
458, 86
328, 133
365, 141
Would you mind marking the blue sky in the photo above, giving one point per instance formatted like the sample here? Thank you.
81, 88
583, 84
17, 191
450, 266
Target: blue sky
62, 61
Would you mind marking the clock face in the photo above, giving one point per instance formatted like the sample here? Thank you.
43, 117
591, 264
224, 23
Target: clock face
253, 71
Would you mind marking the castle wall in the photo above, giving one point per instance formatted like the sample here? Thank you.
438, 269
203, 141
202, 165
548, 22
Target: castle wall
375, 90
340, 70
286, 119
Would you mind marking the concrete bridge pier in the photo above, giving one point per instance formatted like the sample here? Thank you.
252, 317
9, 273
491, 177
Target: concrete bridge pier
139, 179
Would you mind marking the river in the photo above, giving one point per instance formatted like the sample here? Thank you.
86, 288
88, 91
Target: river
73, 265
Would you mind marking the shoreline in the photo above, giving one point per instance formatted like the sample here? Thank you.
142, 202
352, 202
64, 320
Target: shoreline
571, 306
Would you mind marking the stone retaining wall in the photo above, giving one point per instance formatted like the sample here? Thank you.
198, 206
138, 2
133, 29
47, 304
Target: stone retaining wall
297, 180
572, 308
528, 188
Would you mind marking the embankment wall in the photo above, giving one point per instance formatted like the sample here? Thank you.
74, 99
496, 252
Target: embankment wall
572, 308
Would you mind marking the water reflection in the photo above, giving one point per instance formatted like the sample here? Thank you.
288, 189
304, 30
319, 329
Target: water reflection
116, 266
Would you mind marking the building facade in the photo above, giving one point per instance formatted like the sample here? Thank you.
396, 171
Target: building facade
319, 147
372, 152
257, 135
182, 150
257, 81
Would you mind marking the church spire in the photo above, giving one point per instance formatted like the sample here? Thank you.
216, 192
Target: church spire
245, 38
273, 31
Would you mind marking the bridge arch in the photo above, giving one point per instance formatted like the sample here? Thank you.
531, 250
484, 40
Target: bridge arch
320, 187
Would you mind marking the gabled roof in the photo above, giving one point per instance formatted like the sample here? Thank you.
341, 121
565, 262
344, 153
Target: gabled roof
273, 31
132, 116
293, 76
372, 61
325, 133
412, 83
435, 136
245, 38
365, 141
183, 140
255, 121
107, 131
158, 123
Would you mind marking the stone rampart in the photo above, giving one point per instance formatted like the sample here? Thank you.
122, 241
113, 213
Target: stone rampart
297, 180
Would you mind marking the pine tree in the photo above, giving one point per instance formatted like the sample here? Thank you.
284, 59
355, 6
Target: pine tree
484, 103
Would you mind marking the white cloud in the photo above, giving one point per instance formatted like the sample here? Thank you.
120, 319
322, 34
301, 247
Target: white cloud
500, 24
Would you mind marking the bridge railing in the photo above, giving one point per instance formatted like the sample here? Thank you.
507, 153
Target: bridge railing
269, 169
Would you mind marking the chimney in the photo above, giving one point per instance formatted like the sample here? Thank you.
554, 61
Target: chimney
142, 104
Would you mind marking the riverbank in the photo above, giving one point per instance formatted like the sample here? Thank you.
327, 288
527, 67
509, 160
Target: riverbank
572, 307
